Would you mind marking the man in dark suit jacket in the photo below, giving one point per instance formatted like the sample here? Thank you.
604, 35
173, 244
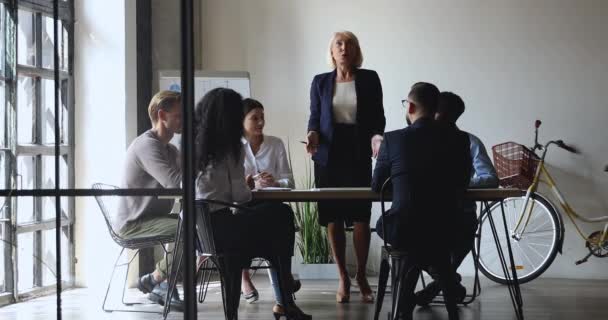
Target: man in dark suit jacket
430, 166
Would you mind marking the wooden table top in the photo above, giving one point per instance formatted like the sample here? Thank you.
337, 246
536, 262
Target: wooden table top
297, 195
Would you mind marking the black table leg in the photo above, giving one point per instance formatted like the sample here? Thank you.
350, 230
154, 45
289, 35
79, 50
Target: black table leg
512, 282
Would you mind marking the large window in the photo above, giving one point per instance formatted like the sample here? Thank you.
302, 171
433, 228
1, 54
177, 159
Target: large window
27, 136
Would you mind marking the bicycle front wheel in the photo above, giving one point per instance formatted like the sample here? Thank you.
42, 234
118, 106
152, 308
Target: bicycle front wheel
534, 249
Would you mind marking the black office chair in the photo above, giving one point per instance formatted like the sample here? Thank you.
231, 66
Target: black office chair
392, 259
133, 244
215, 261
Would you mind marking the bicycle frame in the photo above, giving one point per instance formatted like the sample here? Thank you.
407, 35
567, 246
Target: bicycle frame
528, 206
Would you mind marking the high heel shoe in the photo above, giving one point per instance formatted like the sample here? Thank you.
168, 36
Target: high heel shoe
367, 296
344, 297
297, 285
291, 312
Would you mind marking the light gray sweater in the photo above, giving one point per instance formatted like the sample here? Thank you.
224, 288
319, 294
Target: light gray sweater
149, 164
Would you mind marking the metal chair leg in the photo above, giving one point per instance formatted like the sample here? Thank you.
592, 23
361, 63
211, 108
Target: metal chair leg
205, 279
124, 286
175, 267
382, 281
103, 306
116, 265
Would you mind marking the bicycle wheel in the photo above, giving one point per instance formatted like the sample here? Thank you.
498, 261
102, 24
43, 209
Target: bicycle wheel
536, 247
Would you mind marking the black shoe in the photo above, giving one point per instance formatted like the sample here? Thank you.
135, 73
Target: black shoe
426, 295
460, 294
146, 283
297, 285
160, 292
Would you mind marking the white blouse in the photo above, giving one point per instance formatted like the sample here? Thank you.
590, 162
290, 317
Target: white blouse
225, 181
345, 103
271, 158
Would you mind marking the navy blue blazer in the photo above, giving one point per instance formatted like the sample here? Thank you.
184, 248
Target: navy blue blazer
370, 110
430, 166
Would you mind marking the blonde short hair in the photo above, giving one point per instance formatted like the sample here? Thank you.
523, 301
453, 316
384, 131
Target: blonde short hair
353, 39
163, 100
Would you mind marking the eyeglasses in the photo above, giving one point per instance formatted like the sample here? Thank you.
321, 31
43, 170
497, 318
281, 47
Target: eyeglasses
405, 102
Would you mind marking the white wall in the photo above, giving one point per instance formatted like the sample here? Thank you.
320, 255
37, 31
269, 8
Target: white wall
511, 61
105, 85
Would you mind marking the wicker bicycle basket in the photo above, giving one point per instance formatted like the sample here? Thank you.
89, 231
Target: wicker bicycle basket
515, 165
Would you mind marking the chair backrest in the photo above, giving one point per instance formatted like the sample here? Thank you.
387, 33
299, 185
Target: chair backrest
204, 227
383, 209
105, 211
386, 186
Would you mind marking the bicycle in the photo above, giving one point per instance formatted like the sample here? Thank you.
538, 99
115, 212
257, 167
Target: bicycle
535, 225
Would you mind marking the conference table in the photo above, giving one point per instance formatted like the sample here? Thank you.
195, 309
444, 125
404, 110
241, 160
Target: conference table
485, 196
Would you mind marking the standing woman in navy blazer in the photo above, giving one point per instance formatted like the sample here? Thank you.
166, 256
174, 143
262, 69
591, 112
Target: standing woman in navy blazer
344, 131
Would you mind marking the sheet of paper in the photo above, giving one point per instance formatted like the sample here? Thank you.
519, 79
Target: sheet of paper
275, 189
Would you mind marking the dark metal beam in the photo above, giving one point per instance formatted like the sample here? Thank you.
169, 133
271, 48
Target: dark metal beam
89, 192
57, 155
144, 63
188, 182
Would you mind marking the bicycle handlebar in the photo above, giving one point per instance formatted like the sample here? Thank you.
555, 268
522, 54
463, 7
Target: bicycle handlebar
559, 143
566, 147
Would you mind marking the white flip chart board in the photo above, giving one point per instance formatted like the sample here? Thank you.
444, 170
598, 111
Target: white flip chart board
205, 81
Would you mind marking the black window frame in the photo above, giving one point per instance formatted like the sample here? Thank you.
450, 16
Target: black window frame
37, 149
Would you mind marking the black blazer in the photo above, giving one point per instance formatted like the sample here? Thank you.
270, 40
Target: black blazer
431, 166
370, 111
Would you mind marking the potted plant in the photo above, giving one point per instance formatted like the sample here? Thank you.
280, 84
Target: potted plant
311, 239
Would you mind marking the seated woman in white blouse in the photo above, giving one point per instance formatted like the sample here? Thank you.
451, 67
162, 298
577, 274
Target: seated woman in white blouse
265, 159
267, 230
265, 156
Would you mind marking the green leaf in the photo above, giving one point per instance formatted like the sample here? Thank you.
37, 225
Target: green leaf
311, 240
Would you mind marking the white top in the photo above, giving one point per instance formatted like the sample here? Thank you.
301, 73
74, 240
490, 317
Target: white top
271, 158
225, 181
345, 103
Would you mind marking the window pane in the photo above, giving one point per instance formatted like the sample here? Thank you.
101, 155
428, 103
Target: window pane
65, 42
25, 257
26, 45
48, 113
3, 170
2, 114
3, 237
2, 246
2, 33
25, 110
48, 40
26, 177
48, 182
49, 262
4, 214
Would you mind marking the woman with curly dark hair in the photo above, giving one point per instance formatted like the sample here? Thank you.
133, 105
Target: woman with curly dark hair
265, 231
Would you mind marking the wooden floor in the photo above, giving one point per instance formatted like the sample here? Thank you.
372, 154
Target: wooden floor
543, 299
